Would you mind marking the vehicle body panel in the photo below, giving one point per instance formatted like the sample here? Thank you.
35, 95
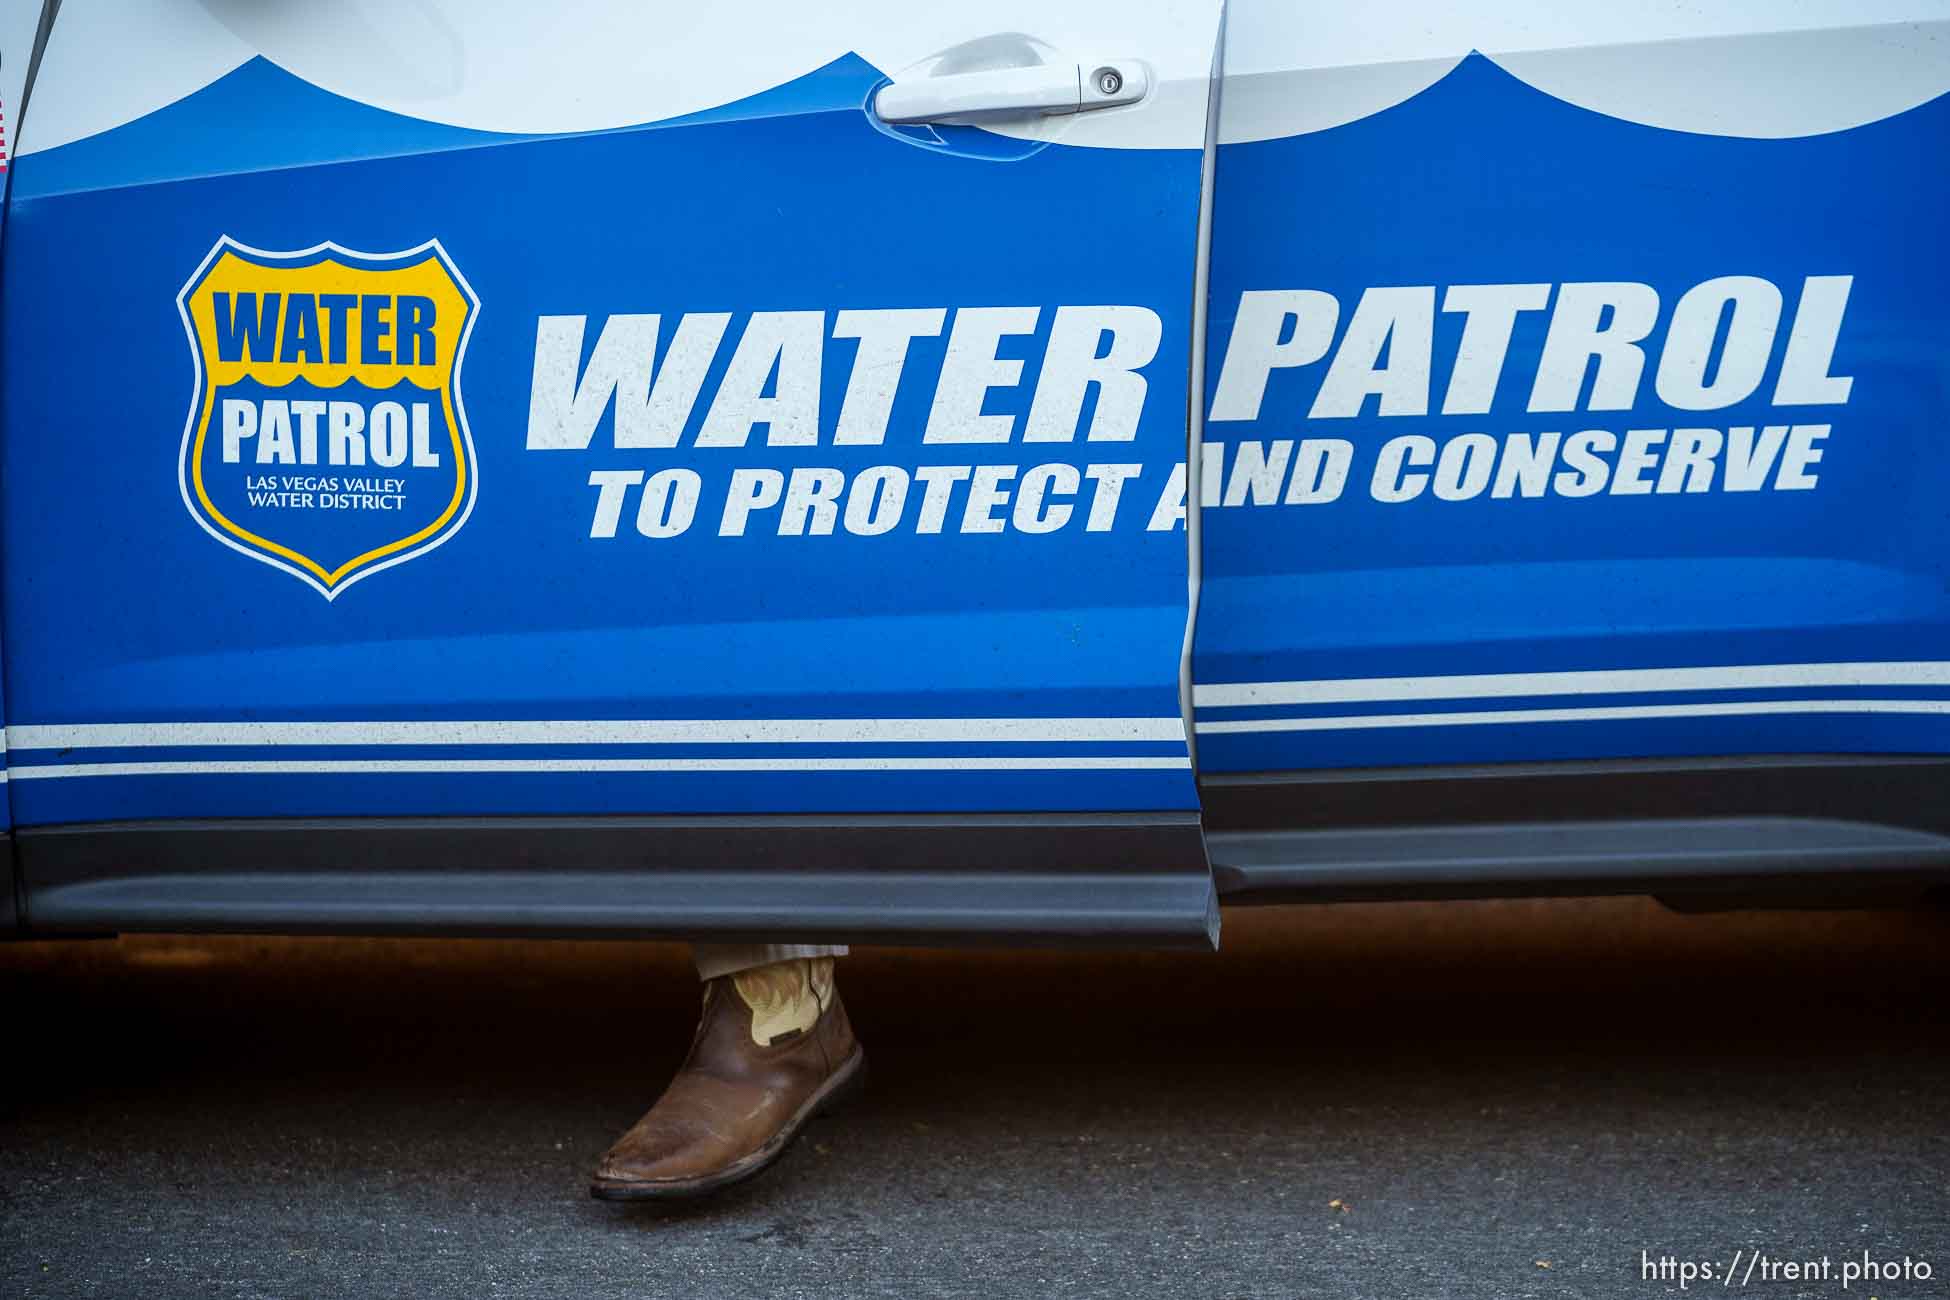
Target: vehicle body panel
20, 24
778, 523
1790, 593
557, 650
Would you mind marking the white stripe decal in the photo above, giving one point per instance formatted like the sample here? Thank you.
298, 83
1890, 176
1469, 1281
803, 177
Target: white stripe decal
753, 731
1354, 690
1597, 714
355, 766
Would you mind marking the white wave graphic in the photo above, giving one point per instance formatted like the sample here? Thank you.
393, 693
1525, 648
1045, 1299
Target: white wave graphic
1759, 69
582, 65
1763, 69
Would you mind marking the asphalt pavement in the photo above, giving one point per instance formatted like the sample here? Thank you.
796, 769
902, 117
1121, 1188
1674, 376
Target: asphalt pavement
1462, 1099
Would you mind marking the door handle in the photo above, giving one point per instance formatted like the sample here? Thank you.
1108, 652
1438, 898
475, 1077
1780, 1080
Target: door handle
1046, 89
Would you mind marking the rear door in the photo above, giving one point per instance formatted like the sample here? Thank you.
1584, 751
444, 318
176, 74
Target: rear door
1577, 385
431, 413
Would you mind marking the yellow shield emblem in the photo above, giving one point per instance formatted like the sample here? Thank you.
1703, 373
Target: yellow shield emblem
326, 435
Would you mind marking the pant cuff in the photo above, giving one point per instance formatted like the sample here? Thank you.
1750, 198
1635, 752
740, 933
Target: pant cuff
716, 959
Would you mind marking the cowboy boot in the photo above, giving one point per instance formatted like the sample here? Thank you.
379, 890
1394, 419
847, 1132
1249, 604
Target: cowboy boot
773, 1049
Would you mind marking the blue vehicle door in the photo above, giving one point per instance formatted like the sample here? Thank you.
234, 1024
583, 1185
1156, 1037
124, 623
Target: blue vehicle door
19, 26
411, 415
1577, 386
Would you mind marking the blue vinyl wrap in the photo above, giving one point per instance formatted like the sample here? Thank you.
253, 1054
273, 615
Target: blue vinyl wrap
120, 609
1482, 179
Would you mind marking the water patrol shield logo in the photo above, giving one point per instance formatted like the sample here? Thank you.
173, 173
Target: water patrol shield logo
326, 436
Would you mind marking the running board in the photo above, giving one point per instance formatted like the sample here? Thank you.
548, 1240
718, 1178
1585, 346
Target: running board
9, 889
1584, 857
1114, 879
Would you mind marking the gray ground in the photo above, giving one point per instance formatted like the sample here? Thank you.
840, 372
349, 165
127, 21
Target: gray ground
1470, 1099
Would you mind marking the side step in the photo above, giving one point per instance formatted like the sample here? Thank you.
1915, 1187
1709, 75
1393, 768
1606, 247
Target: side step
1113, 879
1644, 855
9, 895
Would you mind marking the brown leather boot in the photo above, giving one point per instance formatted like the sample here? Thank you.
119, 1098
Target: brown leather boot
773, 1049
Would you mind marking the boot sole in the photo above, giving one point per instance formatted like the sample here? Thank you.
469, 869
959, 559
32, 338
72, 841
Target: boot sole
844, 1083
